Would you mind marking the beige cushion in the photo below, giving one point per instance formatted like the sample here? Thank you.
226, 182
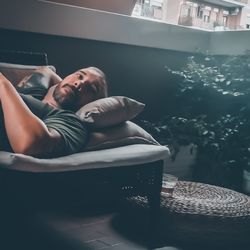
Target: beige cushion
110, 111
119, 135
16, 72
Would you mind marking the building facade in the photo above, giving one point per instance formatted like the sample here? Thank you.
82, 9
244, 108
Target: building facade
207, 14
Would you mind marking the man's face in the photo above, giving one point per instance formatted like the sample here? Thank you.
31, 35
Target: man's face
77, 89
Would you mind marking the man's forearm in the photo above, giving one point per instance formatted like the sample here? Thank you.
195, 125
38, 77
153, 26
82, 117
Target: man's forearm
22, 126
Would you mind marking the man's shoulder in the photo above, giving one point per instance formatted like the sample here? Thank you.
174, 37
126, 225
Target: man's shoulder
36, 106
37, 92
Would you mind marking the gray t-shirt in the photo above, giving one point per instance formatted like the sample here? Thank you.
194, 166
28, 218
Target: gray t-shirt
74, 132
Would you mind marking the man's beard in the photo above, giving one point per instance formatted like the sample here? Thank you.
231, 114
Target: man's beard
65, 102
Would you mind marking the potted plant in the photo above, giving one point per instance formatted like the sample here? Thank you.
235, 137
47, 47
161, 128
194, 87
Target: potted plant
213, 94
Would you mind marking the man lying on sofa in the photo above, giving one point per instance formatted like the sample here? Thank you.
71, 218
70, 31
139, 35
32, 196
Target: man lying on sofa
48, 127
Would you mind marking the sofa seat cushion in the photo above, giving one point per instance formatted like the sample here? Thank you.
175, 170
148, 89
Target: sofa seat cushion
121, 156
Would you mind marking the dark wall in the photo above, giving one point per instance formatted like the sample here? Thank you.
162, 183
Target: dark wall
137, 72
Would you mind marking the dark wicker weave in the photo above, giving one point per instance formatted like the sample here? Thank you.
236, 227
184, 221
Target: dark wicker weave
200, 213
207, 200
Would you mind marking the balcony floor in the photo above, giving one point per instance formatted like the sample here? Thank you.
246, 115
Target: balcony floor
97, 227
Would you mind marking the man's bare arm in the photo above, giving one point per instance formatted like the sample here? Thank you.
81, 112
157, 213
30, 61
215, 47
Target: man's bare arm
27, 134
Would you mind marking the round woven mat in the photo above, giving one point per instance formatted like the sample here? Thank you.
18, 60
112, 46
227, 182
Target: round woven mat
205, 199
198, 213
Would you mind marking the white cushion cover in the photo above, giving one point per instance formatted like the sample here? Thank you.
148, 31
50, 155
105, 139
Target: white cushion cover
114, 157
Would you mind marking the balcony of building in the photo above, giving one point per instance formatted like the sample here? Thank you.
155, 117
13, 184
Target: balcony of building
227, 3
210, 15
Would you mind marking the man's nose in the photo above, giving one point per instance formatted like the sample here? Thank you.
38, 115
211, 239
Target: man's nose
78, 84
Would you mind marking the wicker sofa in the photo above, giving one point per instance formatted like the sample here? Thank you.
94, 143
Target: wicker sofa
127, 170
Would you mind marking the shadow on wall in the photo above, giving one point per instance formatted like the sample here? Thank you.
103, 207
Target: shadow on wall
189, 100
138, 72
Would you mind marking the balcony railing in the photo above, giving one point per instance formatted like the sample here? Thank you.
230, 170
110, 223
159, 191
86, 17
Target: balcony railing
229, 3
145, 10
242, 1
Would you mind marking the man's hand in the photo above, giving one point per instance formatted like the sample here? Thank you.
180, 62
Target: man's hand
41, 76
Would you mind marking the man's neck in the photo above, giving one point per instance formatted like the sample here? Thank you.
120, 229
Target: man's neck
48, 98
